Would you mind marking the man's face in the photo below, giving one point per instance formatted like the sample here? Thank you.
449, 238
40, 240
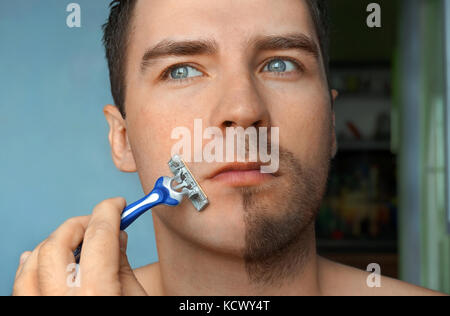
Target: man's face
237, 85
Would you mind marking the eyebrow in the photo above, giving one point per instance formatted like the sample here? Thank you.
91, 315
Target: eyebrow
297, 41
167, 48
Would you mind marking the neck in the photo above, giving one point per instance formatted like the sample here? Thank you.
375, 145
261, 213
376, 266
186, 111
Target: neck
186, 268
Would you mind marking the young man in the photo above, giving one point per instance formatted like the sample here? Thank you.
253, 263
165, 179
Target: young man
260, 63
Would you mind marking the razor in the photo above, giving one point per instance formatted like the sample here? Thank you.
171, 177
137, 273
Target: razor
165, 192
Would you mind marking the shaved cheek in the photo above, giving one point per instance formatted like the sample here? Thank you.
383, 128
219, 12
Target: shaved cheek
149, 134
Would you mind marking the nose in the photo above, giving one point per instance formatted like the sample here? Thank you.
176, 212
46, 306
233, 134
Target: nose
239, 104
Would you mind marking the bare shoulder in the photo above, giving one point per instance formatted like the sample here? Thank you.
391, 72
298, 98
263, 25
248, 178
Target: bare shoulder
149, 277
339, 279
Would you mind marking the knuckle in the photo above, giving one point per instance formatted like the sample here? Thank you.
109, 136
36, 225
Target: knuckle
100, 229
119, 200
68, 224
103, 204
72, 221
102, 208
110, 202
46, 249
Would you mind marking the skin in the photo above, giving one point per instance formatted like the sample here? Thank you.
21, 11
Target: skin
202, 253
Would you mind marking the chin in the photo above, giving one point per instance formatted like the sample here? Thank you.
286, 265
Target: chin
220, 227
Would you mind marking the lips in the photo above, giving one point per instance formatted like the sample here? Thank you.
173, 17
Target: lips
240, 174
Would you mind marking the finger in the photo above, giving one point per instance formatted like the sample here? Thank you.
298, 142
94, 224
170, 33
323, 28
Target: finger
101, 255
26, 282
56, 255
129, 282
23, 258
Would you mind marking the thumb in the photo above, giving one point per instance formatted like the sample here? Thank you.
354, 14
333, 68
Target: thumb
130, 285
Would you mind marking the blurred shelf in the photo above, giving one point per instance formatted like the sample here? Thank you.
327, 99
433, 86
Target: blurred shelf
364, 145
373, 246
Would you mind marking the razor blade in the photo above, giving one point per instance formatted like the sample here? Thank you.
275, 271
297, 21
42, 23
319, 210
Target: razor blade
187, 183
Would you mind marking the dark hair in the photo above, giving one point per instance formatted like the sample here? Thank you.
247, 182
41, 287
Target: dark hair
116, 32
118, 26
319, 14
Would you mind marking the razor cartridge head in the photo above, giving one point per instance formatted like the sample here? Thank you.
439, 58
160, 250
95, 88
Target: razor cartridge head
187, 183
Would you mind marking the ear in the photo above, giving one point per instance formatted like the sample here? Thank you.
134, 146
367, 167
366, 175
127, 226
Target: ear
334, 148
118, 139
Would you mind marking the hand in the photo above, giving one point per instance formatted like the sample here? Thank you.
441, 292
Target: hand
103, 270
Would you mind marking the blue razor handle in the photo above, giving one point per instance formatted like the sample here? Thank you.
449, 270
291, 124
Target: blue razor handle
162, 193
159, 195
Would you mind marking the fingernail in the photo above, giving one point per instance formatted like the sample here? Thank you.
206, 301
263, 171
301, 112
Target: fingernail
123, 241
24, 257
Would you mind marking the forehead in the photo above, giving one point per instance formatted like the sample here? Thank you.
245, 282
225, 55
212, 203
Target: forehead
232, 23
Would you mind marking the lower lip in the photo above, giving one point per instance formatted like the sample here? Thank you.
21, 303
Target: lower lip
242, 177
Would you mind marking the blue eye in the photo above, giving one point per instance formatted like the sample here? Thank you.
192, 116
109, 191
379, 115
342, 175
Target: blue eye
181, 72
281, 65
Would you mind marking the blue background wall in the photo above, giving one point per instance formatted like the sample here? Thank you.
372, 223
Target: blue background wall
55, 160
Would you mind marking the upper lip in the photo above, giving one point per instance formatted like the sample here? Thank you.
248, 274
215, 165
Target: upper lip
236, 166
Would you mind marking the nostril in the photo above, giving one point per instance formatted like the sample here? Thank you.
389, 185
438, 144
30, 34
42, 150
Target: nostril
257, 123
228, 123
